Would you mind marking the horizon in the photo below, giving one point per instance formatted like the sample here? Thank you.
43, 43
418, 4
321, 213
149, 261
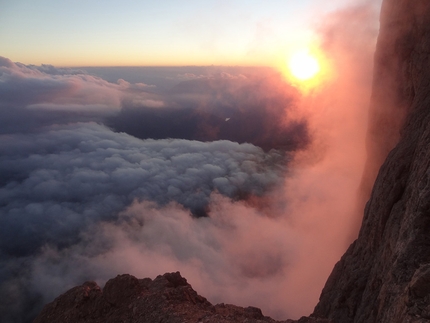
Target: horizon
80, 34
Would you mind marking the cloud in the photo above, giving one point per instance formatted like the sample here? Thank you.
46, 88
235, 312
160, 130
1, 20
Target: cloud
233, 253
52, 70
136, 86
59, 181
258, 105
21, 85
222, 75
258, 109
31, 99
81, 201
322, 190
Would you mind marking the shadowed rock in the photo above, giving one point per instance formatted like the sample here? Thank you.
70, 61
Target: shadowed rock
167, 298
384, 275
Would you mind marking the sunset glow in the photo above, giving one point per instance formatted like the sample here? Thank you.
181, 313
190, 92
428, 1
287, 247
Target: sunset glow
308, 68
146, 33
303, 65
224, 140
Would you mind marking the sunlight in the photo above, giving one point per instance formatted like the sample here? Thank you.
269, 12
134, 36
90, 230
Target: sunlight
307, 68
303, 65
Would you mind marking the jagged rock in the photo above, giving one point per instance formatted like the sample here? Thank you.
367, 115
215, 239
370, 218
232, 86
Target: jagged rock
384, 275
167, 299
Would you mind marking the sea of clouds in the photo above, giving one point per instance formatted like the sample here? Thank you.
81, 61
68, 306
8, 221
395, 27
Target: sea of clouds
229, 175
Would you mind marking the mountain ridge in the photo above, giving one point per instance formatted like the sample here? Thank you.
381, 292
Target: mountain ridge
168, 299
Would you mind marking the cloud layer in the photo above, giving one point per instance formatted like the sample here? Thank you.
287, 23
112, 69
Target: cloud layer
58, 182
80, 198
66, 179
221, 106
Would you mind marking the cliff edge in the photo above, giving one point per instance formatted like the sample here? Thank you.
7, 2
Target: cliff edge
385, 274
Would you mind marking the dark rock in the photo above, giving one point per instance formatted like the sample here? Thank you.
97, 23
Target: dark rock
419, 286
121, 289
167, 298
384, 275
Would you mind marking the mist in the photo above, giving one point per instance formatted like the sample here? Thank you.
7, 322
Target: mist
249, 190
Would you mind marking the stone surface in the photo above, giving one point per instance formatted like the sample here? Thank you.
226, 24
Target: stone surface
167, 299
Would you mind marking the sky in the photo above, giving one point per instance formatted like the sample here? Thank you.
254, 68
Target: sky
137, 33
212, 163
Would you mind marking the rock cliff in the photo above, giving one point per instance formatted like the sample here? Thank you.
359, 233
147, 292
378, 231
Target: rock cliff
385, 274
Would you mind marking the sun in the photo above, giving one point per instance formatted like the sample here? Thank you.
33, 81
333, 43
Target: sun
303, 65
307, 68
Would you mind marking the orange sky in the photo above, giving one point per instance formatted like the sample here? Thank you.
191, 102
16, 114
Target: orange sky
85, 33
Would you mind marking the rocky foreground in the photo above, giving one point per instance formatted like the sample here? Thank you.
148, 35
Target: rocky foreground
167, 299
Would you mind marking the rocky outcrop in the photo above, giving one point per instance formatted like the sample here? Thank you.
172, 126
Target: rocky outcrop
167, 298
384, 276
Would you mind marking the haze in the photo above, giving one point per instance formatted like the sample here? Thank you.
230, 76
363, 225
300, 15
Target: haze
142, 33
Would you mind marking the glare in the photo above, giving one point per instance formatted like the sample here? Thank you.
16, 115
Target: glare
303, 65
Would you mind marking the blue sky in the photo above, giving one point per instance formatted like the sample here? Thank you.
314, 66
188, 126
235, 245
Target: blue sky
129, 32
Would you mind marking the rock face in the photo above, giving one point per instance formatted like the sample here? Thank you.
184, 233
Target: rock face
168, 299
385, 274
400, 74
